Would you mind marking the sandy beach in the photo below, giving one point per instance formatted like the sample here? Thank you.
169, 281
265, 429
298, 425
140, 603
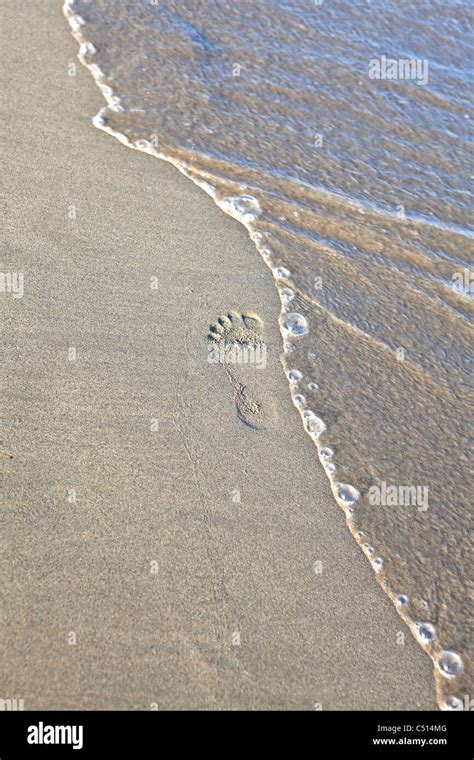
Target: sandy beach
159, 553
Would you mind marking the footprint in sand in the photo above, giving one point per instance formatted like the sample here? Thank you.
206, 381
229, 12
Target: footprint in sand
236, 342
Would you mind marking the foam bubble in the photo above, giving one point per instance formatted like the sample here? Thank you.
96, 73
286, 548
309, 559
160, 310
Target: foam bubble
453, 703
295, 324
280, 272
377, 564
76, 22
425, 632
313, 386
299, 400
295, 376
243, 207
316, 426
144, 145
449, 663
87, 48
286, 294
402, 600
115, 104
326, 453
347, 493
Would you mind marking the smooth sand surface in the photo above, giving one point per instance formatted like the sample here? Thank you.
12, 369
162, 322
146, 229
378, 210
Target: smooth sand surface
176, 594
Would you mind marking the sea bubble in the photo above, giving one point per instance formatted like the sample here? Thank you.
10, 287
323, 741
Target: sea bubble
425, 632
144, 145
377, 564
449, 663
295, 324
453, 703
246, 208
347, 493
316, 426
402, 600
286, 294
87, 48
76, 22
98, 120
313, 424
326, 453
299, 400
281, 272
115, 104
295, 376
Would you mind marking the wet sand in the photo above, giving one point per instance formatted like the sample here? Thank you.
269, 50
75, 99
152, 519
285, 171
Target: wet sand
158, 552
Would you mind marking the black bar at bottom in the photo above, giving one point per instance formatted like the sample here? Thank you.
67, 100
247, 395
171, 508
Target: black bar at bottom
100, 734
